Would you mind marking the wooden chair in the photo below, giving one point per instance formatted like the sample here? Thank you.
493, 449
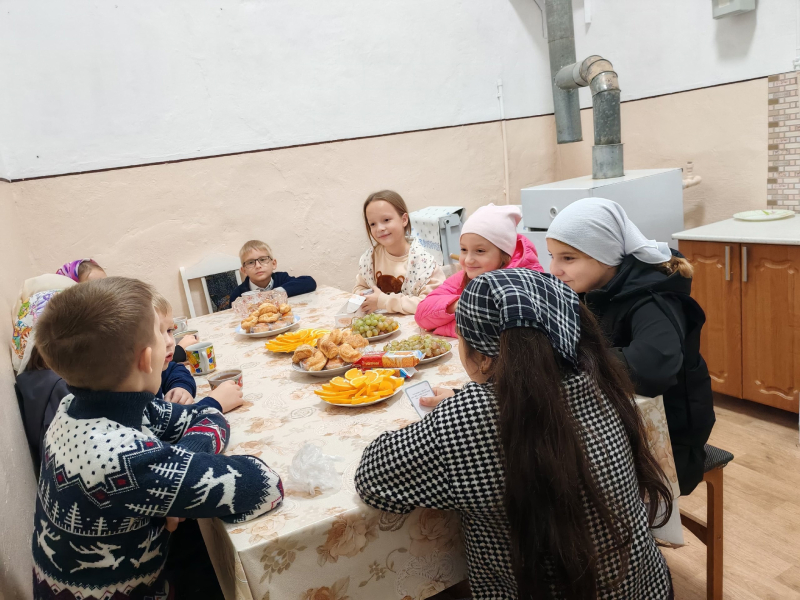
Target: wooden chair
211, 265
710, 531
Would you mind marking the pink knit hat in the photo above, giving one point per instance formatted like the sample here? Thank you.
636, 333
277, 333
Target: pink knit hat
498, 224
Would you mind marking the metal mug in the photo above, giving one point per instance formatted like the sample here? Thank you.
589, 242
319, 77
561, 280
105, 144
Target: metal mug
181, 324
182, 334
201, 358
221, 377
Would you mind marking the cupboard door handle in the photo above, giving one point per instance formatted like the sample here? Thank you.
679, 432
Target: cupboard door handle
744, 264
727, 263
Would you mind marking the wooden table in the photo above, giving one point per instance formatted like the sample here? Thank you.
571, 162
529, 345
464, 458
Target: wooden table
327, 545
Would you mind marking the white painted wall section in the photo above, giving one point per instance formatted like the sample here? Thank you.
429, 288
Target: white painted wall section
91, 85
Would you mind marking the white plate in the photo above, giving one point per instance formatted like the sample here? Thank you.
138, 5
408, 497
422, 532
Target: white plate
763, 215
263, 334
324, 372
397, 391
380, 337
425, 361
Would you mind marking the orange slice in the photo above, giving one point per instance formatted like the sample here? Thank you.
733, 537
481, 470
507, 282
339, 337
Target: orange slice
343, 387
365, 399
352, 374
337, 400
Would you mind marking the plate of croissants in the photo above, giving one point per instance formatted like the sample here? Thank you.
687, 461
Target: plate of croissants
267, 320
335, 354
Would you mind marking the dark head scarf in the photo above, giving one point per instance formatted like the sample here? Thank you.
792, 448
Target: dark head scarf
508, 298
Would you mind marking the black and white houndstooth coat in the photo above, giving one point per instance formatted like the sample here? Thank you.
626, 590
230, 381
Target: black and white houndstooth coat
451, 460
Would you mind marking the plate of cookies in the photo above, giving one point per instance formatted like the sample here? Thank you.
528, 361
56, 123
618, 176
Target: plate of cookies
262, 330
334, 354
269, 318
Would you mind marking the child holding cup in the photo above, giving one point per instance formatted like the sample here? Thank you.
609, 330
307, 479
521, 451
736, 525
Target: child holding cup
177, 384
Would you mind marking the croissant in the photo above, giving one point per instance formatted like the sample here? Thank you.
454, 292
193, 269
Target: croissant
336, 336
303, 352
348, 353
334, 363
267, 308
269, 318
247, 324
328, 348
315, 363
284, 309
355, 340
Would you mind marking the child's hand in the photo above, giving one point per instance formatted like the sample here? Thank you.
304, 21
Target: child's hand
179, 396
229, 396
451, 308
187, 341
371, 303
172, 522
440, 394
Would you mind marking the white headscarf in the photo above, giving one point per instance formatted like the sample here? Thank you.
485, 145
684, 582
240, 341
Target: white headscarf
601, 229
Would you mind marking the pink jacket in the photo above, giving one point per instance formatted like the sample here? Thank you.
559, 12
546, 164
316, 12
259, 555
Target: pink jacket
432, 311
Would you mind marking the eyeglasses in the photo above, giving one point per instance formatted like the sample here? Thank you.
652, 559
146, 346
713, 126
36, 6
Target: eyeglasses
262, 260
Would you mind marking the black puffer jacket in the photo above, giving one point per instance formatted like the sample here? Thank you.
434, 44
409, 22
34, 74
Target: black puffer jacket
39, 394
654, 325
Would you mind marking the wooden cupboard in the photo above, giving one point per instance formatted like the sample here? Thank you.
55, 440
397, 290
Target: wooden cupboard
751, 296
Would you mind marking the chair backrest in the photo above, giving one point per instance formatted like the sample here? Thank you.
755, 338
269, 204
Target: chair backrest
211, 265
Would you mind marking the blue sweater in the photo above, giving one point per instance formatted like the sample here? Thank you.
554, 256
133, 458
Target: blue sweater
114, 465
177, 375
294, 286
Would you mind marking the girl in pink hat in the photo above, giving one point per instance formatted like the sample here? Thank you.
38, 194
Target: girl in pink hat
489, 241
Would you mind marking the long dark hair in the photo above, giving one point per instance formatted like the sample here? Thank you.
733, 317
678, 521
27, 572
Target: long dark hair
547, 470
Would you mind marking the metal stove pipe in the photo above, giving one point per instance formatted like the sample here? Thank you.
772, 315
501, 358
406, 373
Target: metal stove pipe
598, 73
561, 44
568, 75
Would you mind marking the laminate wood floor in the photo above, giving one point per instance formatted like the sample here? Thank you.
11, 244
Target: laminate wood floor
761, 508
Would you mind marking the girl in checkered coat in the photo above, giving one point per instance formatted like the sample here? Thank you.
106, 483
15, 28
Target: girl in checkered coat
543, 452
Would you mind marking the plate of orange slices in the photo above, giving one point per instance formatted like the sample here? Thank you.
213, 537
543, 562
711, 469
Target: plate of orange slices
361, 389
289, 342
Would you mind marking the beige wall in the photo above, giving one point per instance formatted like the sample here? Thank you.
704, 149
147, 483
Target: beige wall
306, 202
17, 481
723, 130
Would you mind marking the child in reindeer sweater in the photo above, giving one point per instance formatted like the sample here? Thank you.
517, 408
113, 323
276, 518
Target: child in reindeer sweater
120, 467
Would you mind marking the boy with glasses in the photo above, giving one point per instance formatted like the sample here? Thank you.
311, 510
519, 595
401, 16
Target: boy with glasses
258, 269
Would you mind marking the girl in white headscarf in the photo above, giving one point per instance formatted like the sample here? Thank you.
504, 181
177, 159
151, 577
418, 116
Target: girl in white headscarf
639, 290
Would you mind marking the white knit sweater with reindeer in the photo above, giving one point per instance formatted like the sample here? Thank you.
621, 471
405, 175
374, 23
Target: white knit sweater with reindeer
114, 466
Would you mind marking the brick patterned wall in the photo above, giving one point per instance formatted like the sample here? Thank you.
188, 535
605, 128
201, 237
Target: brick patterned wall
783, 177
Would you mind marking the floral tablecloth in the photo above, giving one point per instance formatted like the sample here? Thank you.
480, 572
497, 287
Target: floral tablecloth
329, 546
655, 419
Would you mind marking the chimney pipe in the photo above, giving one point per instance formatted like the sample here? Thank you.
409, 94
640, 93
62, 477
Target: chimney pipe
561, 45
595, 72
